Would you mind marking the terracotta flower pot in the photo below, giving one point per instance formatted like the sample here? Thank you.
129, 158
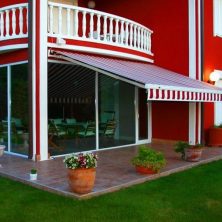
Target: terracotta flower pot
193, 155
215, 137
82, 180
145, 170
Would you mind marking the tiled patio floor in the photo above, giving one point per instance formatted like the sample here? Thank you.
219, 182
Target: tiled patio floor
114, 169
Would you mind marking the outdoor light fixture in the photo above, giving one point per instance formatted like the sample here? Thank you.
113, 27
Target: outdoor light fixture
215, 76
91, 4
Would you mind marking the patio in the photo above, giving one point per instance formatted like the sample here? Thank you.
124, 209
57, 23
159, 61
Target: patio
113, 173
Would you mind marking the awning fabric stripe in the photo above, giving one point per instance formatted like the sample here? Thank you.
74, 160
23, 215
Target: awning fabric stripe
161, 84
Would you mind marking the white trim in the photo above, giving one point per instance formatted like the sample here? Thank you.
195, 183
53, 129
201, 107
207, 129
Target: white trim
192, 123
43, 91
101, 149
13, 47
136, 107
16, 154
34, 78
217, 16
14, 6
15, 63
199, 41
9, 106
97, 108
11, 37
218, 108
192, 39
100, 71
60, 62
101, 52
199, 122
150, 127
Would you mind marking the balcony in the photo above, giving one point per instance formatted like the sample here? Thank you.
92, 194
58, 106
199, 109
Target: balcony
83, 29
13, 26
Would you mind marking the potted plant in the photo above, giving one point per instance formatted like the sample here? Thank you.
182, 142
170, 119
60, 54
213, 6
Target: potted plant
215, 136
81, 171
33, 174
148, 161
2, 148
189, 152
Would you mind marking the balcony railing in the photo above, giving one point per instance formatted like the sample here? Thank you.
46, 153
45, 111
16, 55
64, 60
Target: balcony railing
76, 23
14, 22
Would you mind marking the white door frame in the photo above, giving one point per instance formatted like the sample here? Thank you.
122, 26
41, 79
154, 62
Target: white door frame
149, 119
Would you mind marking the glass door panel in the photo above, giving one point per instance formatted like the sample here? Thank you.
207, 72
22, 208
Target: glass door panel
116, 112
19, 109
71, 109
3, 107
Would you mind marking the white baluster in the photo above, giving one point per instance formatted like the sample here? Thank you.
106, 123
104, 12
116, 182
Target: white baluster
135, 36
91, 25
111, 29
127, 34
176, 95
117, 30
122, 32
160, 94
68, 21
51, 19
2, 24
21, 21
149, 94
76, 23
138, 36
142, 38
171, 94
27, 20
181, 95
131, 35
13, 22
60, 21
165, 94
154, 93
105, 28
148, 41
84, 24
98, 26
7, 22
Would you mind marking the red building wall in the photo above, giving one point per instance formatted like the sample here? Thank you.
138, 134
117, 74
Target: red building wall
212, 58
11, 2
169, 21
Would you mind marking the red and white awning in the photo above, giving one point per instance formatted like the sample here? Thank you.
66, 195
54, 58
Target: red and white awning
161, 84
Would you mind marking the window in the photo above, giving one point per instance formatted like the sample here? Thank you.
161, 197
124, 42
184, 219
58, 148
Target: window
218, 18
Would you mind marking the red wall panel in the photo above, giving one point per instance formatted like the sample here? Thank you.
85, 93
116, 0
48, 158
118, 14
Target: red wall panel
15, 56
169, 21
11, 2
170, 120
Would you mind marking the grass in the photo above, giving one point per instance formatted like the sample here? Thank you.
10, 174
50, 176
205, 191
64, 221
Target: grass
193, 195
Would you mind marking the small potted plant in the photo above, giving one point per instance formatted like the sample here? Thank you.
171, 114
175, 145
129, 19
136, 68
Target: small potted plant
33, 174
148, 161
2, 148
191, 153
215, 136
81, 171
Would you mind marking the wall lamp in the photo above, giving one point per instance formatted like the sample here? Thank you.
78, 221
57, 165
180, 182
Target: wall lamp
91, 4
215, 76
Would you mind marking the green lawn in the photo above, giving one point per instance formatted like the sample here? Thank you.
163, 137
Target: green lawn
193, 195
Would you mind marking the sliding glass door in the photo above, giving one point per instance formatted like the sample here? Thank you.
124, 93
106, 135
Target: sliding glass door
3, 107
19, 109
116, 112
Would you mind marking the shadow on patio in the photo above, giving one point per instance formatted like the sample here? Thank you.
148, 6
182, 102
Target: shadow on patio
114, 169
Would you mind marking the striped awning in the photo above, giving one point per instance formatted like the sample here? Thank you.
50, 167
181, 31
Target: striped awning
161, 84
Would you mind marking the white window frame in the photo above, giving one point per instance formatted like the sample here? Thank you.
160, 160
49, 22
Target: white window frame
217, 18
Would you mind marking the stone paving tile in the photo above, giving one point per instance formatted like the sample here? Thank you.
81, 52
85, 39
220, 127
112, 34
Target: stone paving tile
113, 173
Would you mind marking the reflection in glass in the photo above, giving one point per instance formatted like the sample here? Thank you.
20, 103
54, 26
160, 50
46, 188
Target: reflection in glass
19, 109
71, 109
3, 108
116, 112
